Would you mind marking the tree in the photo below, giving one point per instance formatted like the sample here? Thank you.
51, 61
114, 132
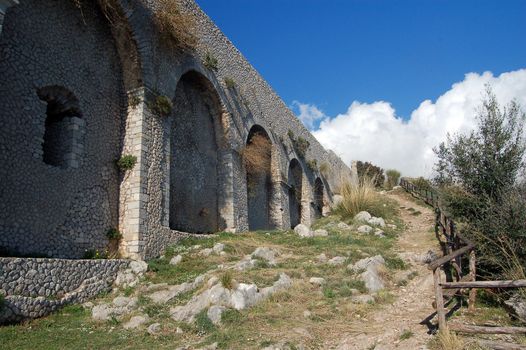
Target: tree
393, 176
487, 161
371, 171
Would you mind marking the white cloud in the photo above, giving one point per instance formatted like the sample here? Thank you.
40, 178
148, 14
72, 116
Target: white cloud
373, 132
308, 114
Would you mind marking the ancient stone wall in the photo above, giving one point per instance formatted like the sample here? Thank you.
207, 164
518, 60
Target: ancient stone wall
36, 287
190, 176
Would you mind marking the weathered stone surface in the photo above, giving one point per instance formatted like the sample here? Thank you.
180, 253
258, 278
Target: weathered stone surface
365, 229
322, 258
318, 281
363, 299
362, 216
265, 253
214, 314
343, 226
517, 305
136, 322
218, 248
303, 231
376, 222
176, 260
320, 233
337, 260
154, 329
371, 274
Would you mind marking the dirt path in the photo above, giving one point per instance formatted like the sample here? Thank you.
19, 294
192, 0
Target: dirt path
383, 328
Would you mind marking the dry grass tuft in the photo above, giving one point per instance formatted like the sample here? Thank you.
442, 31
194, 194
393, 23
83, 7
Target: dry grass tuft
256, 155
175, 25
361, 197
450, 341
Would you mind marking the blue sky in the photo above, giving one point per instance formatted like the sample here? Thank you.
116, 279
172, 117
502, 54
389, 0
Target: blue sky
382, 81
333, 52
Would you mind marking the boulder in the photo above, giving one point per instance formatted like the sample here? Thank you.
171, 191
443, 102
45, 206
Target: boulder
176, 260
363, 299
246, 264
517, 305
371, 268
138, 267
318, 281
154, 329
322, 258
266, 254
206, 252
135, 322
303, 231
337, 260
376, 222
343, 226
214, 314
362, 216
320, 233
365, 229
218, 248
379, 233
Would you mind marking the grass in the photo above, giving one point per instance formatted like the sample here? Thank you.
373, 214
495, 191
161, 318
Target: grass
406, 334
268, 322
176, 27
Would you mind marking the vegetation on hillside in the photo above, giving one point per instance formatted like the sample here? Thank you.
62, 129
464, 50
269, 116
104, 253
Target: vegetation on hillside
370, 171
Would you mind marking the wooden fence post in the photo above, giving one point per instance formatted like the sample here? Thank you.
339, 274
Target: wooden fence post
473, 276
441, 313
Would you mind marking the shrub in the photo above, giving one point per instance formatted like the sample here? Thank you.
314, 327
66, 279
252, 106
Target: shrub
203, 324
312, 164
368, 170
175, 27
113, 234
257, 154
134, 101
95, 254
393, 177
227, 281
230, 83
161, 106
210, 62
300, 144
127, 162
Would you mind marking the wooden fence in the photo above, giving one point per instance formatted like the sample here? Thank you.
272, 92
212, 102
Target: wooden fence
458, 250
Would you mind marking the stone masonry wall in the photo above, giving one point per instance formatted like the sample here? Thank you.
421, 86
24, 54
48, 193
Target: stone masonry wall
36, 287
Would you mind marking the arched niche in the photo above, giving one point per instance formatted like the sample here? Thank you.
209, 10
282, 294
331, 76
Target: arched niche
196, 139
319, 189
295, 177
257, 156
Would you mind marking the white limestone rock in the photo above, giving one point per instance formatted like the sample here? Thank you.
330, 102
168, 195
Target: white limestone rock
218, 248
343, 226
154, 329
371, 268
337, 260
317, 281
365, 229
320, 233
376, 222
303, 231
214, 314
135, 322
362, 216
176, 260
322, 258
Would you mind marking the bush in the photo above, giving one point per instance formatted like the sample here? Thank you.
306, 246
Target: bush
162, 106
95, 254
175, 27
230, 83
113, 234
257, 154
300, 144
393, 177
370, 171
324, 169
210, 62
312, 164
227, 281
127, 162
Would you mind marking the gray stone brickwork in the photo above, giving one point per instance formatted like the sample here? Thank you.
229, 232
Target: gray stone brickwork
190, 176
36, 287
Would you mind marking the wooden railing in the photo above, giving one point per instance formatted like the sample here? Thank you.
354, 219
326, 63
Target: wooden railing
456, 247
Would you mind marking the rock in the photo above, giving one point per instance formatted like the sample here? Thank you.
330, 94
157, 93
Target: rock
336, 200
88, 305
154, 328
138, 267
164, 296
129, 302
371, 268
320, 233
212, 281
307, 314
135, 322
179, 330
120, 306
363, 299
303, 231
379, 233
244, 296
394, 227
343, 226
214, 314
246, 264
322, 258
218, 248
157, 286
212, 346
206, 252
318, 281
376, 222
362, 216
266, 254
196, 247
517, 306
176, 260
365, 229
337, 260
428, 257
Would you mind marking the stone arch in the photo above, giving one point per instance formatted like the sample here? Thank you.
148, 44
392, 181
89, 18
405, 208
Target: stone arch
64, 127
295, 179
197, 149
257, 156
319, 190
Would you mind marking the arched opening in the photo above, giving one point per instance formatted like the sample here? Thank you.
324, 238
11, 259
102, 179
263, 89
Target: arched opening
64, 127
295, 175
318, 197
195, 137
257, 158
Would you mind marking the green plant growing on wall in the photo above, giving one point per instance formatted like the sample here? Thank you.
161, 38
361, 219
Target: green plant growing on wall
230, 83
162, 106
113, 234
313, 164
210, 62
95, 254
134, 101
176, 27
300, 144
127, 162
